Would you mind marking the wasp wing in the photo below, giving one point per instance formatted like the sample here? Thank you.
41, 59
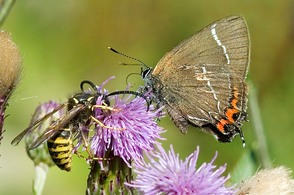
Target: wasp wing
57, 125
31, 128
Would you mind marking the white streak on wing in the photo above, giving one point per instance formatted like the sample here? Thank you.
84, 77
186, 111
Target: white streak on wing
214, 34
210, 87
208, 82
197, 119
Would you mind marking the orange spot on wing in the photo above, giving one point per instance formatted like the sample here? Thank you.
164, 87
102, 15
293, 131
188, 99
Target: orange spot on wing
233, 109
229, 114
235, 98
234, 103
221, 125
235, 92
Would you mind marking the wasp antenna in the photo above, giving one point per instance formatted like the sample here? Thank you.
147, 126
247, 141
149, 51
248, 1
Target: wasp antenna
122, 54
130, 92
89, 83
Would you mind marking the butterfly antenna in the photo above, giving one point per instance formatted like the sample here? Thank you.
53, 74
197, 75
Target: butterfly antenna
122, 54
129, 76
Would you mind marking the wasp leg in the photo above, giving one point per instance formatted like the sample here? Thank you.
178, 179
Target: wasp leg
105, 107
104, 126
90, 155
80, 155
101, 159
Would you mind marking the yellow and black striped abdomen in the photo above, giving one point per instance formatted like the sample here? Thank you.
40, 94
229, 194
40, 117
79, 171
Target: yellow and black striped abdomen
60, 149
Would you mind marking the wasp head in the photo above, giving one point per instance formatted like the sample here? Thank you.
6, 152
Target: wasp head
82, 98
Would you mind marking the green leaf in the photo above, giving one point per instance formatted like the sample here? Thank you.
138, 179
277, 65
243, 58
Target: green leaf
246, 167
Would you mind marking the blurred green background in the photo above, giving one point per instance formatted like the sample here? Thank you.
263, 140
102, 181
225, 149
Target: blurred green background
64, 42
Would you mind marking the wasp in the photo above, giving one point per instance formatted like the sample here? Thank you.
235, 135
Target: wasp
61, 133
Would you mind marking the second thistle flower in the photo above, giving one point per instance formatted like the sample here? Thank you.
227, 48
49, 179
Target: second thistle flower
165, 173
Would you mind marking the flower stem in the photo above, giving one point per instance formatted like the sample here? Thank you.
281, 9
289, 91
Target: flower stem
5, 7
40, 178
262, 148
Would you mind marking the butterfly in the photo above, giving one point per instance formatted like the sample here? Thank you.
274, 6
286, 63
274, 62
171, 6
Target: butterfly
201, 82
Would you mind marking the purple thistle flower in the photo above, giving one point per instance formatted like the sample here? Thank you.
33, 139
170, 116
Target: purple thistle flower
130, 128
166, 173
123, 130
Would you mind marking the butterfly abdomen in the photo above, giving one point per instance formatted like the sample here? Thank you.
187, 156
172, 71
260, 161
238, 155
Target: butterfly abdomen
60, 149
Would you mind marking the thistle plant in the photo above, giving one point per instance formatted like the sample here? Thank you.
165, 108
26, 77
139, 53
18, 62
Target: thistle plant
40, 155
10, 68
166, 173
276, 180
118, 130
129, 130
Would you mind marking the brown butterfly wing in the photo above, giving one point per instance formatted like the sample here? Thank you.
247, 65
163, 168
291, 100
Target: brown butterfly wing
197, 78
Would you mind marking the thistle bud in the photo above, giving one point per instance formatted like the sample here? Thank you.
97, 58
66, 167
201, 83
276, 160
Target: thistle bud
269, 181
41, 154
10, 68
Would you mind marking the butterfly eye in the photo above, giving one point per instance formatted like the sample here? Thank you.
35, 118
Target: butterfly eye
145, 73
